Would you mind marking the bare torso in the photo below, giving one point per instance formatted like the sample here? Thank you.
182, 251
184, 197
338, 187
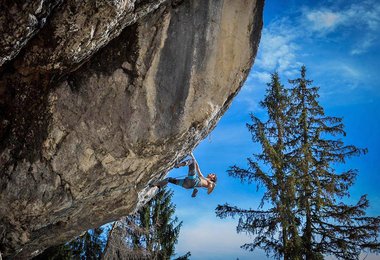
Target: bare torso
204, 183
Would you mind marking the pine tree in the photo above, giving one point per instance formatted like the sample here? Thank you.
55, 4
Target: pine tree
88, 246
60, 252
306, 218
92, 244
329, 226
276, 227
151, 233
157, 218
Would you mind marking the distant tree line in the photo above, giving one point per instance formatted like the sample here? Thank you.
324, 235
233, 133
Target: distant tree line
302, 214
151, 233
90, 245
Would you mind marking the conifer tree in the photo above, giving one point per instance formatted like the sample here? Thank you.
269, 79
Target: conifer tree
88, 246
157, 218
307, 218
151, 233
329, 225
276, 227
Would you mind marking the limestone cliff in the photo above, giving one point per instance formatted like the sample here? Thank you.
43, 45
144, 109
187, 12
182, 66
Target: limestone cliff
98, 99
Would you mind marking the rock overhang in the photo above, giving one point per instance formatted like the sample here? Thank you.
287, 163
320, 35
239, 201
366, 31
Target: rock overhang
118, 122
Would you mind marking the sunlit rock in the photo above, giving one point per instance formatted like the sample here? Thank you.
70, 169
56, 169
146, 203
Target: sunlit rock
102, 101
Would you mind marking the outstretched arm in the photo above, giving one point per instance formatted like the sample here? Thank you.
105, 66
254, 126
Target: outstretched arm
211, 185
197, 167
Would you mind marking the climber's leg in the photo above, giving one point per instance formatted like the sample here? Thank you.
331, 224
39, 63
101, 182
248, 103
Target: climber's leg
178, 182
160, 184
165, 181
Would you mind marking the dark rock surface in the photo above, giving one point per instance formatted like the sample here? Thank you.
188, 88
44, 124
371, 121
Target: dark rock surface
101, 98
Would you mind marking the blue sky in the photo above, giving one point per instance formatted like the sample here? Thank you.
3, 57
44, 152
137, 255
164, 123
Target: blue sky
338, 41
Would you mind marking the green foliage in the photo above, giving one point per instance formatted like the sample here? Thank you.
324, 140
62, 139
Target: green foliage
329, 226
151, 233
154, 230
305, 219
56, 253
88, 246
275, 228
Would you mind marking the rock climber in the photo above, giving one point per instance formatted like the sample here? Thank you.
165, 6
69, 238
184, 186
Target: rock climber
194, 179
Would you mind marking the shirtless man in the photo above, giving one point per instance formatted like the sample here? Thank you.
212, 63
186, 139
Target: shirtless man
194, 179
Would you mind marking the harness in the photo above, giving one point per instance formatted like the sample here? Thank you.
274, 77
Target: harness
196, 178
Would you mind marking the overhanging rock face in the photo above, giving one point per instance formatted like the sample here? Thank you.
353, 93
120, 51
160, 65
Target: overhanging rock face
85, 128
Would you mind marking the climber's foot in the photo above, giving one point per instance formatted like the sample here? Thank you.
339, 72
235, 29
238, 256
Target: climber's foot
194, 194
155, 185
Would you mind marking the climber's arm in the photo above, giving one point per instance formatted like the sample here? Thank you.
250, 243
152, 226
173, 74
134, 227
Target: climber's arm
198, 170
197, 167
211, 187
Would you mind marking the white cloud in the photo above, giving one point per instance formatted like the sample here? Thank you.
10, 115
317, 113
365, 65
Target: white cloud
363, 16
277, 51
323, 20
350, 71
261, 76
217, 239
213, 237
341, 79
362, 46
366, 13
292, 41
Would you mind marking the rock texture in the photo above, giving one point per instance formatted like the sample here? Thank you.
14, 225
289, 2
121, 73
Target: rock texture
99, 99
